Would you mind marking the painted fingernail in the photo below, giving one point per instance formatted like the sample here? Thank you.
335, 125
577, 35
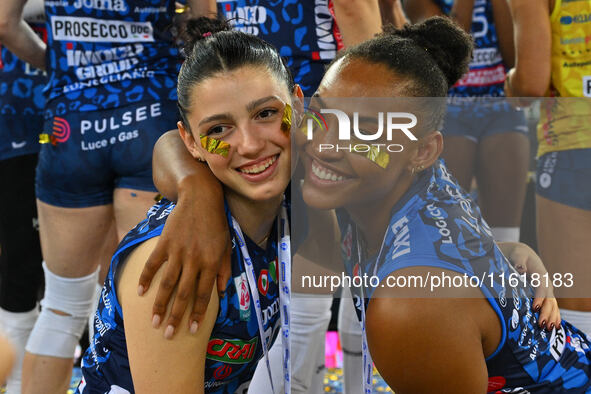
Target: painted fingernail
140, 290
543, 323
552, 326
537, 307
194, 327
156, 321
168, 332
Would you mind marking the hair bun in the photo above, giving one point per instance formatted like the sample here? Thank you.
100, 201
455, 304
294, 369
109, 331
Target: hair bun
200, 28
447, 43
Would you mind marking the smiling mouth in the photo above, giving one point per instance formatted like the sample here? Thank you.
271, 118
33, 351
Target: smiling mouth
326, 174
258, 167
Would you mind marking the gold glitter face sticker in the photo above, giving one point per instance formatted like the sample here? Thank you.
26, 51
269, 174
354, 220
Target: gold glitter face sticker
378, 156
214, 146
286, 121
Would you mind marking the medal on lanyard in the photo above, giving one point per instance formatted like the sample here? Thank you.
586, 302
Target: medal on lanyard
284, 254
366, 356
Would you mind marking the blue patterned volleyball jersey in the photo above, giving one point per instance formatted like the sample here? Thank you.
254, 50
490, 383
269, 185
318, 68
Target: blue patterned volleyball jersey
104, 54
21, 103
234, 347
486, 74
435, 224
304, 32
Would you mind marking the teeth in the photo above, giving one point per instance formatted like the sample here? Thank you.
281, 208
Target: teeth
258, 168
325, 174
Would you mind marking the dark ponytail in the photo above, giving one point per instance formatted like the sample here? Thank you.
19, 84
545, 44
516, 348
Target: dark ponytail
431, 55
213, 47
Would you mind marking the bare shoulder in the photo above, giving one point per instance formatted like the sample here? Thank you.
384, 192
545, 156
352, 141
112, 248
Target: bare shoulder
411, 340
152, 358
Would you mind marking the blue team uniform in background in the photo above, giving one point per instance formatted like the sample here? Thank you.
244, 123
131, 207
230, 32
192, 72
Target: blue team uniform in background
234, 348
304, 32
111, 93
21, 103
435, 224
476, 108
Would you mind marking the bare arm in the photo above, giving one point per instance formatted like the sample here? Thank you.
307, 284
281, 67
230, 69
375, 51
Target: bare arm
531, 75
202, 8
419, 10
152, 359
417, 344
504, 26
18, 36
461, 12
392, 13
358, 20
6, 358
195, 240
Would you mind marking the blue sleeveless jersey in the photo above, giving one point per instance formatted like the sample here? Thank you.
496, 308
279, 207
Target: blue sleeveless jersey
109, 53
486, 75
234, 347
435, 224
21, 103
304, 32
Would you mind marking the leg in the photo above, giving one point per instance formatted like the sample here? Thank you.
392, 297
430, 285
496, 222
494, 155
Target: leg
21, 275
563, 242
503, 160
459, 154
73, 245
130, 208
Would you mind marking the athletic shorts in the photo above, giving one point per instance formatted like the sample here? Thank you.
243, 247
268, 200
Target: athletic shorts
21, 275
476, 122
92, 153
565, 177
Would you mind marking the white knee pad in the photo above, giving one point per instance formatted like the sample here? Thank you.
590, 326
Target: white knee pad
57, 335
17, 328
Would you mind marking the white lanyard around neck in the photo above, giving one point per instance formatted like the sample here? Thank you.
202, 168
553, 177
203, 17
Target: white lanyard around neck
366, 356
284, 276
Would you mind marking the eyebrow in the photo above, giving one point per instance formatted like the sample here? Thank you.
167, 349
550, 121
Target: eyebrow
254, 104
249, 107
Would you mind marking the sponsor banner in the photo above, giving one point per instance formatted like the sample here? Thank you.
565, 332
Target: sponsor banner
485, 57
67, 28
232, 351
483, 77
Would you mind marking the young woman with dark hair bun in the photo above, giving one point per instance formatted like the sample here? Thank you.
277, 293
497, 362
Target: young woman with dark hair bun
245, 140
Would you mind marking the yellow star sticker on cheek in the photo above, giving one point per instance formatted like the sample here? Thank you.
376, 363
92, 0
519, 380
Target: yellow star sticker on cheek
286, 120
378, 156
214, 146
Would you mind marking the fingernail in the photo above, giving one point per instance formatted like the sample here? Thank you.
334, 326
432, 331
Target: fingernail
194, 327
223, 294
140, 290
537, 308
552, 326
168, 332
544, 323
156, 321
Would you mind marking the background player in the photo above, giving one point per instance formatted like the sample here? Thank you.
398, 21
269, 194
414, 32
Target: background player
554, 60
21, 121
484, 135
112, 71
